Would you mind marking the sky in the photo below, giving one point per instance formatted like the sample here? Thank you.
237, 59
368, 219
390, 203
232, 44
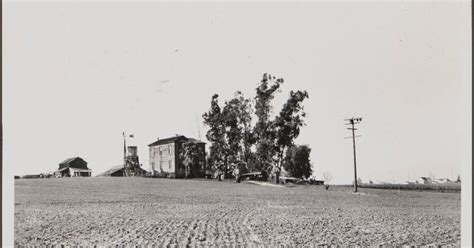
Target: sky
78, 74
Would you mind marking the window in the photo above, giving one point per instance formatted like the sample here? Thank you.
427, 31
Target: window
169, 149
161, 151
169, 163
161, 165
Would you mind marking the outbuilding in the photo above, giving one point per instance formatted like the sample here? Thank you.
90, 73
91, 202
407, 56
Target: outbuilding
118, 171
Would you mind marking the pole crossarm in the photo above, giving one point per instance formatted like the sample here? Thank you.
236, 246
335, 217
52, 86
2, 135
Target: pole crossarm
350, 137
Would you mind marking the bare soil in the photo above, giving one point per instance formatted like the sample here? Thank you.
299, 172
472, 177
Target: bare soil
146, 211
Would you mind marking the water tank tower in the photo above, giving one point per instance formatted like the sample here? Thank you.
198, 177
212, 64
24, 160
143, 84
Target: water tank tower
131, 163
132, 151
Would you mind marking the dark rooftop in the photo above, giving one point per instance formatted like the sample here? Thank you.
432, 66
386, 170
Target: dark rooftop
174, 139
69, 160
110, 171
114, 169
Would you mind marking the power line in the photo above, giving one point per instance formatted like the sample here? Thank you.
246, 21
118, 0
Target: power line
353, 121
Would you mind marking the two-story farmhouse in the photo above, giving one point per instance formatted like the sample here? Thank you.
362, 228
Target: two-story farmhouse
165, 157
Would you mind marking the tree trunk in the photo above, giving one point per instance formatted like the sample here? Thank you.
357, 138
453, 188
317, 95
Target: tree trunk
280, 158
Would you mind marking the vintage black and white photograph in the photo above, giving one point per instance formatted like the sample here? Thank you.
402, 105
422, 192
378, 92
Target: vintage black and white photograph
237, 124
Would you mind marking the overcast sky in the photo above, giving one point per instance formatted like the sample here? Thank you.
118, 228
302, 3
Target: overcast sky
76, 75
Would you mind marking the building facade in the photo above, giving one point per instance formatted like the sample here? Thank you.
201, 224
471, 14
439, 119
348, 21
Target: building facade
165, 159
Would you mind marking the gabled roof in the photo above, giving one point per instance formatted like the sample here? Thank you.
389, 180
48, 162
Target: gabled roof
196, 141
113, 170
168, 140
64, 168
110, 171
69, 160
174, 139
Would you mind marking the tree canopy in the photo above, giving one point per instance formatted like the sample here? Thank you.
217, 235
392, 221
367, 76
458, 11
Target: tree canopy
190, 154
297, 161
234, 140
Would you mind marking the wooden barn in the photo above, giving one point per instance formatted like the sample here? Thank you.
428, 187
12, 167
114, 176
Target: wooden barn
73, 167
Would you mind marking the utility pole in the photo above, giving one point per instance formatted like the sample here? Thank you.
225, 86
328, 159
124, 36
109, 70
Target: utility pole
124, 154
352, 121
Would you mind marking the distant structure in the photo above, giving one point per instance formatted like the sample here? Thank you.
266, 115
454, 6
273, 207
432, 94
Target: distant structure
131, 166
42, 175
73, 167
165, 158
425, 180
118, 171
131, 163
442, 180
429, 180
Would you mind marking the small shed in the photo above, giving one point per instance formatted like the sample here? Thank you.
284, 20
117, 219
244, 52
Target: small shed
117, 171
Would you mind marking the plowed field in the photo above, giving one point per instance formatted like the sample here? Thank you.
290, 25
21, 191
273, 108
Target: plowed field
146, 211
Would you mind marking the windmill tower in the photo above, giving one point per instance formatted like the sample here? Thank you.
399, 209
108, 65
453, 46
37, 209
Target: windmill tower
131, 163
